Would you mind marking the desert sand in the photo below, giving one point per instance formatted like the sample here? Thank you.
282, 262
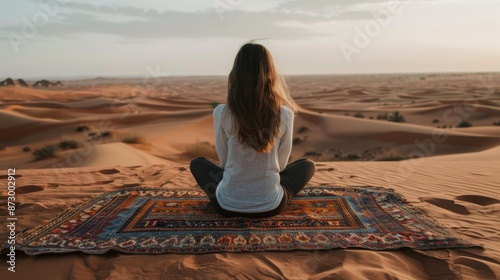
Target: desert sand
86, 137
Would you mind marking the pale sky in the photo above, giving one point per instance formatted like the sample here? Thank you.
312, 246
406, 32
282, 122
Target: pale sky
74, 38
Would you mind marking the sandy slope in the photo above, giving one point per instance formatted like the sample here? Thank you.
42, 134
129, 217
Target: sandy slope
492, 154
457, 194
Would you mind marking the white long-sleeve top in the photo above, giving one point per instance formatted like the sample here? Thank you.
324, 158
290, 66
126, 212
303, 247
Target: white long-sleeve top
251, 181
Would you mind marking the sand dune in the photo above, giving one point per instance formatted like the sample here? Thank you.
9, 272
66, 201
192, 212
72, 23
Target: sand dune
12, 119
111, 154
483, 130
472, 108
492, 154
465, 197
456, 182
326, 130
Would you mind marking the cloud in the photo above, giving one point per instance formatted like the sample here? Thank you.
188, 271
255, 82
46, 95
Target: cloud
328, 8
135, 23
293, 19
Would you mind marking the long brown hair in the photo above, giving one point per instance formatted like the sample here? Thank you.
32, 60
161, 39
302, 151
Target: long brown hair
255, 95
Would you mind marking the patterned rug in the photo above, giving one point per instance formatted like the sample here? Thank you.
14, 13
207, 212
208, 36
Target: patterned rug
153, 220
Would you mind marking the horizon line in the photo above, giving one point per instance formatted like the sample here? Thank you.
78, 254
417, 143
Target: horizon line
91, 77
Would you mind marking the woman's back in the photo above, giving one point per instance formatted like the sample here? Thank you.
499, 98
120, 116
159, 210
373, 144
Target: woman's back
253, 138
251, 181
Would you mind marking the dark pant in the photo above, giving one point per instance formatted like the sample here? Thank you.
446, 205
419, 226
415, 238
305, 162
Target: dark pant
293, 178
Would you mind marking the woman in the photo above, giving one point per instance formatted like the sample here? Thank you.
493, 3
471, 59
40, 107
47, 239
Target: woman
253, 139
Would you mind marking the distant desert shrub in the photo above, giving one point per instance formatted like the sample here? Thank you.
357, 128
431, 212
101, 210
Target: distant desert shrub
312, 154
318, 156
82, 128
214, 104
389, 154
496, 123
26, 149
371, 154
296, 141
464, 124
435, 121
92, 134
48, 151
391, 157
303, 130
352, 157
202, 149
132, 139
382, 116
69, 144
396, 117
371, 118
106, 134
359, 115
